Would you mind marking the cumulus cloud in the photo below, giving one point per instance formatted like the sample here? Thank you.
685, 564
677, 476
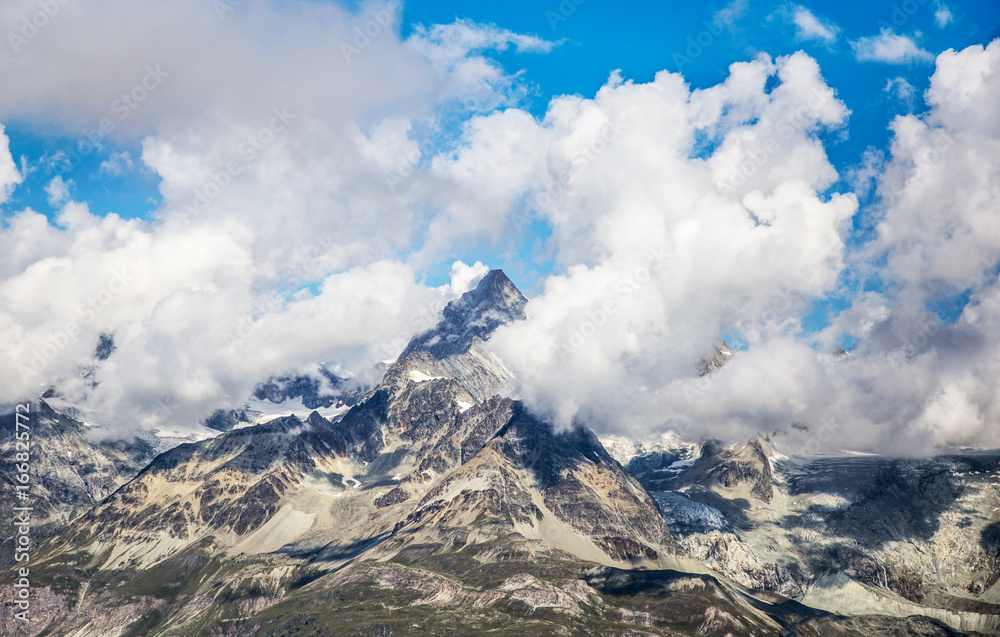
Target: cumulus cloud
9, 175
936, 247
243, 116
889, 47
289, 200
191, 331
464, 277
699, 243
57, 191
117, 164
614, 341
358, 317
809, 27
943, 15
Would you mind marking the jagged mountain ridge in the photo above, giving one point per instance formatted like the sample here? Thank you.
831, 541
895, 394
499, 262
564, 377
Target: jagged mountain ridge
313, 389
431, 460
420, 423
323, 388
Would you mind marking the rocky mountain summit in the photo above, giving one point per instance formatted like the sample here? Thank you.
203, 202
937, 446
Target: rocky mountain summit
494, 302
432, 503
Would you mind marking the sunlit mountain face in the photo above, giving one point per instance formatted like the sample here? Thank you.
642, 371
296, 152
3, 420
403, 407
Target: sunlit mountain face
330, 318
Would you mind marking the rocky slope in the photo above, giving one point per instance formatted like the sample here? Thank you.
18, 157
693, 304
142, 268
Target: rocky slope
70, 469
856, 535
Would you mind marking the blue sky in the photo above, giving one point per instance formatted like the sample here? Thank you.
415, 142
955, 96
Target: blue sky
642, 39
699, 40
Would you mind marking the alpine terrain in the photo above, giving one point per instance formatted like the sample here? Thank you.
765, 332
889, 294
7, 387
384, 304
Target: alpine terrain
433, 504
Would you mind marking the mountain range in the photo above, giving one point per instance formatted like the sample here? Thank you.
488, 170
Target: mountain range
432, 503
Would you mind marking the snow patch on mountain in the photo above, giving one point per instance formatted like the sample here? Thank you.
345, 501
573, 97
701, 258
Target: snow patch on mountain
185, 436
624, 449
678, 466
684, 515
418, 376
261, 411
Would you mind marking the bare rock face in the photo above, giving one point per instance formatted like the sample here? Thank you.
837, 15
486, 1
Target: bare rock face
713, 362
737, 471
529, 478
70, 471
494, 302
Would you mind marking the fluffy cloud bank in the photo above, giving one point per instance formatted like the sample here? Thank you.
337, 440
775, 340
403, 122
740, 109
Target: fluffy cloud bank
289, 203
889, 47
616, 339
308, 183
679, 216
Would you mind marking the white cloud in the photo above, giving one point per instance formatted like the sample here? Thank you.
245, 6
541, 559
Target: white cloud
937, 238
9, 175
677, 216
191, 332
914, 383
690, 249
204, 344
900, 89
57, 191
962, 90
655, 272
809, 27
457, 49
117, 164
941, 222
730, 14
280, 174
169, 67
464, 277
451, 43
889, 47
943, 15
